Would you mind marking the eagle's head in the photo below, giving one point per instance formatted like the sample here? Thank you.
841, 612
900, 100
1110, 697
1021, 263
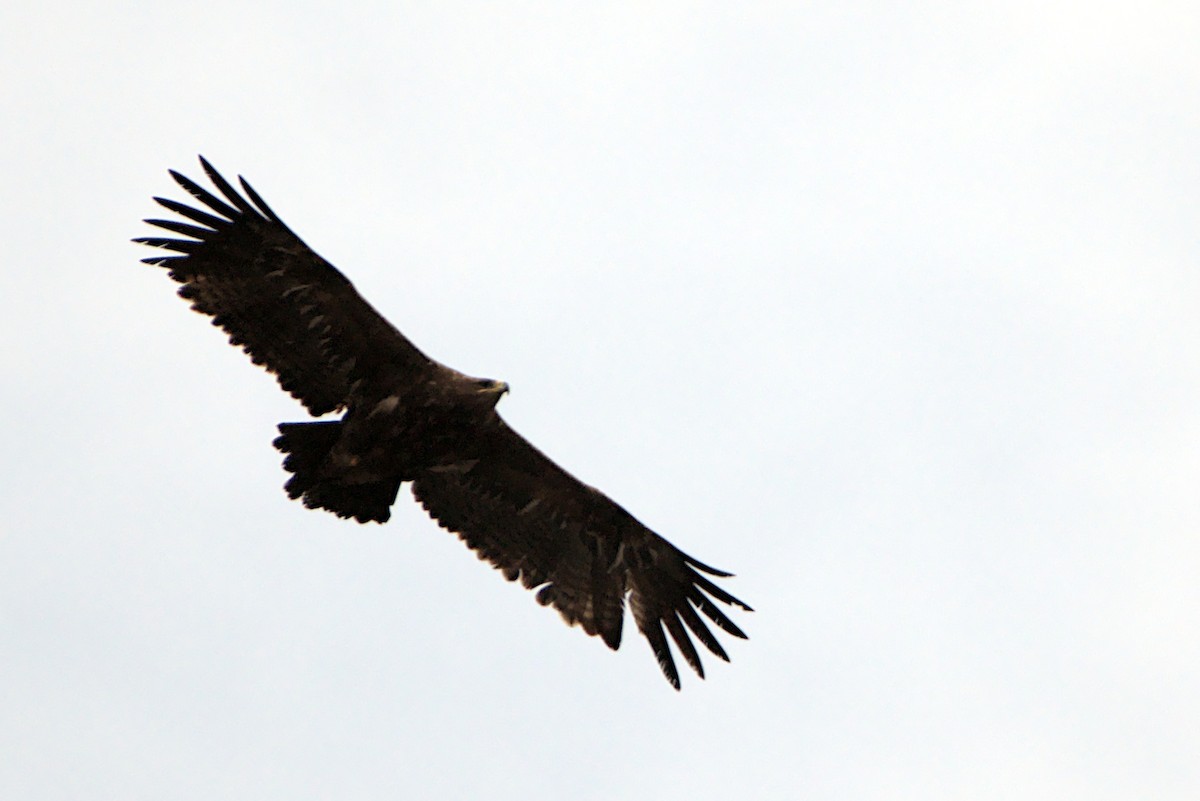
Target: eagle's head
491, 389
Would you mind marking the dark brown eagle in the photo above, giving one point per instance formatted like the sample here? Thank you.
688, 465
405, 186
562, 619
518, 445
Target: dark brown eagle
409, 418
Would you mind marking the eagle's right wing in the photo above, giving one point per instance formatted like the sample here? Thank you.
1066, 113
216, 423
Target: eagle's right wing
292, 311
582, 552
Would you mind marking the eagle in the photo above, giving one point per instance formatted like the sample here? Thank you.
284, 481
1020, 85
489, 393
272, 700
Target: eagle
409, 419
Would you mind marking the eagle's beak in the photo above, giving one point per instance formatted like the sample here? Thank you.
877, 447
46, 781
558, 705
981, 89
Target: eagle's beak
498, 388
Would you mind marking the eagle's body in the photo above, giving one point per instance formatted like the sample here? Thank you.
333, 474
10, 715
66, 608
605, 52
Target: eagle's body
410, 419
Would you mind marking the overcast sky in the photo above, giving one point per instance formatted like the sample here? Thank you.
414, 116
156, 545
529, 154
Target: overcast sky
890, 309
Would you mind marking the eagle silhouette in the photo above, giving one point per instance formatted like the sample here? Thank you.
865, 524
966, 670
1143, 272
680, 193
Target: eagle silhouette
409, 418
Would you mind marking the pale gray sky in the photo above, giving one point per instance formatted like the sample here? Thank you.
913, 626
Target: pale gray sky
890, 309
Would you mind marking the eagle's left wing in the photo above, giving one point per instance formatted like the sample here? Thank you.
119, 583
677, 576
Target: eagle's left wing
582, 552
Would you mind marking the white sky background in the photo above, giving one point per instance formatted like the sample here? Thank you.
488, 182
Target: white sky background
889, 309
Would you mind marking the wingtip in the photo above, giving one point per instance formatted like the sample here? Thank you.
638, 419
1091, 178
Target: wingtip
712, 571
671, 674
210, 170
257, 200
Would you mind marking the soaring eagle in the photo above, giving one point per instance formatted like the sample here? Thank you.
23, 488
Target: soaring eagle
410, 419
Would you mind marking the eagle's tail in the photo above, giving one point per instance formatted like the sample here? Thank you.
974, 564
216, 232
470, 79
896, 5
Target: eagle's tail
307, 445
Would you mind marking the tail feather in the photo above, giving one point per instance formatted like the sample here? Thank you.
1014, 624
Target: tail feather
307, 445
